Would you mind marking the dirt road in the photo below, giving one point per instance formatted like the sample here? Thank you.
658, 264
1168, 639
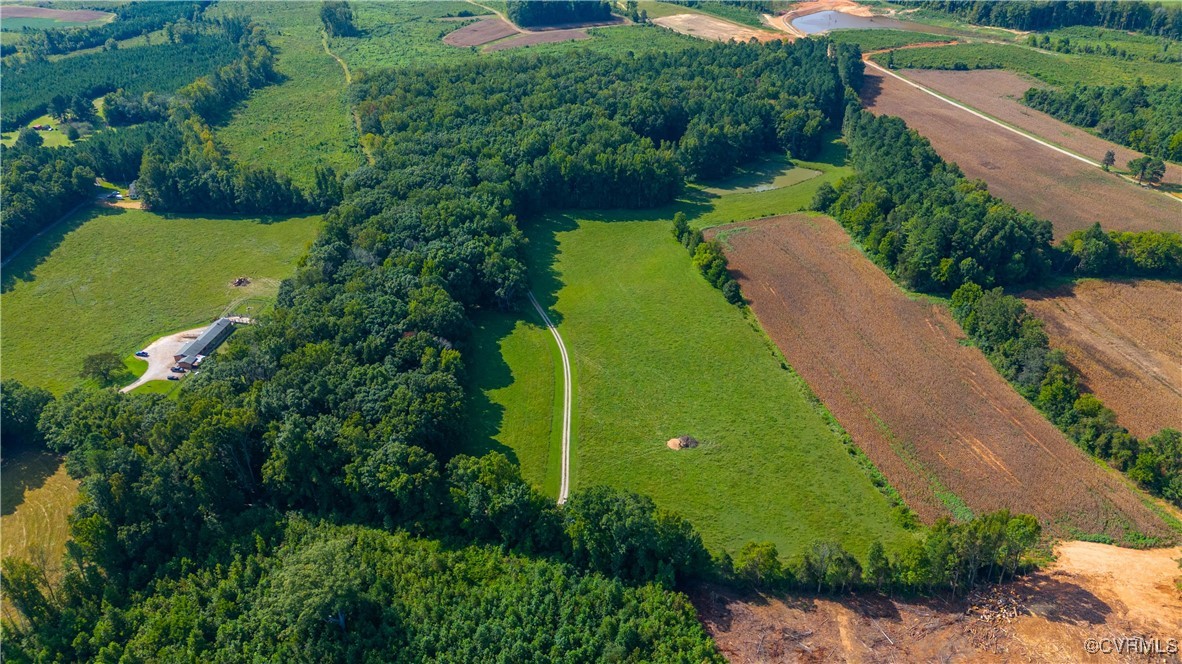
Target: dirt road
160, 356
567, 401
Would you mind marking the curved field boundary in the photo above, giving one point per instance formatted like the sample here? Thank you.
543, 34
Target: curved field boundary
567, 398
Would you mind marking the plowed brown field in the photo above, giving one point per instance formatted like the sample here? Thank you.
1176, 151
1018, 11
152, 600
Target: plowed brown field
1125, 338
1029, 176
931, 413
480, 32
998, 93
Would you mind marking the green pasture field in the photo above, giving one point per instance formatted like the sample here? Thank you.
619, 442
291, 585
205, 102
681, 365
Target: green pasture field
19, 24
304, 121
658, 353
113, 280
50, 139
1054, 68
1140, 46
772, 173
873, 40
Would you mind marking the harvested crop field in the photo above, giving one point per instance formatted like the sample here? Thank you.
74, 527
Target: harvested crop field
1031, 177
1125, 338
480, 32
708, 27
935, 417
531, 38
63, 15
998, 93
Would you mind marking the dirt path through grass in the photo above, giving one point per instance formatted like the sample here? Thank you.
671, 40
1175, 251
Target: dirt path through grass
567, 398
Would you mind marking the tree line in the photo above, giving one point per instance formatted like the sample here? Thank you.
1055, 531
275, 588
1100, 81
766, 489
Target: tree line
1154, 18
1145, 118
1017, 345
1064, 45
132, 19
921, 219
529, 13
254, 512
1093, 253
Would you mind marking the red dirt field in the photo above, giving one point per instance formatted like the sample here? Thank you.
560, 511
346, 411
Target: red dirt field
932, 414
70, 15
716, 29
530, 38
1029, 176
1125, 339
998, 93
1091, 591
480, 32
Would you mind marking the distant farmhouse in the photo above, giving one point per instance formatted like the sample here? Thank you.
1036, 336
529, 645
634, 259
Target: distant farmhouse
191, 354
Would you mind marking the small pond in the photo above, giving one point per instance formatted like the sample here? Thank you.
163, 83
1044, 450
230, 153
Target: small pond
830, 20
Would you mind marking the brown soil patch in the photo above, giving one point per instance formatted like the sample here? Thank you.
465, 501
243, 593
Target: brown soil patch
71, 15
998, 93
531, 38
1125, 338
1091, 591
1029, 176
480, 32
931, 413
716, 29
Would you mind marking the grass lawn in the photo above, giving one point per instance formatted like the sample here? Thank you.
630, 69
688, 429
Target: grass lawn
658, 353
303, 121
50, 139
114, 280
1055, 68
165, 387
875, 39
772, 173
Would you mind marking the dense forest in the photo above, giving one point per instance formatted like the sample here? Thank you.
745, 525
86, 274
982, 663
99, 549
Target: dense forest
30, 87
301, 498
1144, 118
1153, 18
531, 13
1017, 345
919, 217
132, 19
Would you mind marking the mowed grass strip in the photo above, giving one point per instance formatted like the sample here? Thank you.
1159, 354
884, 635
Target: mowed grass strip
112, 280
658, 353
514, 379
304, 121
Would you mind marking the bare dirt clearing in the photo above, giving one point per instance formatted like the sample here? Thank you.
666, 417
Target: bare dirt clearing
1125, 338
947, 431
998, 93
709, 27
66, 15
160, 356
480, 32
1029, 176
530, 38
1091, 591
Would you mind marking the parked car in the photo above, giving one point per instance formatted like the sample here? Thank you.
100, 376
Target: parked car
177, 370
141, 353
174, 377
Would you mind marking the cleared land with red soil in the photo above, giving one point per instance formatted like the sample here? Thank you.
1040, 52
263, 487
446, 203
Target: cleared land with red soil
530, 38
1029, 176
998, 93
933, 414
68, 15
1090, 591
1125, 338
716, 29
480, 32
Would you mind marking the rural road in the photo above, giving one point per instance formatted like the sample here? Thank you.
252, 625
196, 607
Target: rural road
160, 354
567, 398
